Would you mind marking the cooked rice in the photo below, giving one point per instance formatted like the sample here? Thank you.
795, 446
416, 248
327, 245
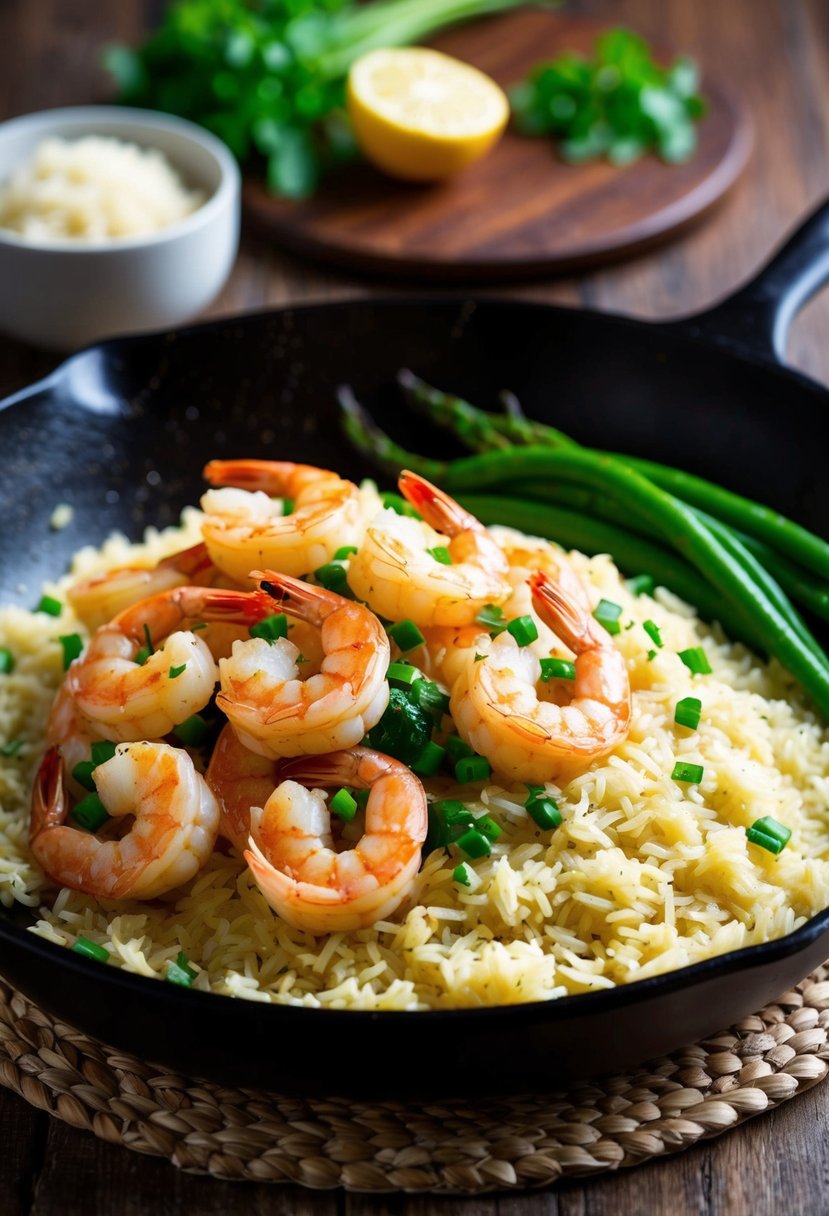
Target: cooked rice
644, 874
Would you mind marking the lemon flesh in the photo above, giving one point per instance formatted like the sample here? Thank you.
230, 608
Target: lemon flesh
421, 115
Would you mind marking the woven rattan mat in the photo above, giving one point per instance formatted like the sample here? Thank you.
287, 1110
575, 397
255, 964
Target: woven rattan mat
444, 1148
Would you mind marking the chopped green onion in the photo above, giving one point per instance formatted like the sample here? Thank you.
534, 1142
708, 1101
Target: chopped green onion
429, 697
90, 813
544, 812
492, 618
652, 630
429, 760
652, 655
769, 834
396, 502
344, 553
455, 812
457, 749
270, 627
6, 661
607, 613
344, 805
523, 629
406, 635
361, 798
175, 672
472, 768
50, 606
461, 875
180, 972
91, 950
403, 675
642, 584
288, 505
333, 577
696, 660
689, 773
688, 712
193, 731
474, 843
557, 669
102, 750
82, 772
72, 644
441, 554
10, 750
142, 654
489, 827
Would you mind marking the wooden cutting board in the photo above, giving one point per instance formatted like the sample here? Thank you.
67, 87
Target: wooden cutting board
521, 211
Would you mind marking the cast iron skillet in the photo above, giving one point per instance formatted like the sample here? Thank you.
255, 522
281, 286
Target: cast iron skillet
121, 432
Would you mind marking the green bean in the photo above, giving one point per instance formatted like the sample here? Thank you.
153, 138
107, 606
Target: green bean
632, 553
680, 527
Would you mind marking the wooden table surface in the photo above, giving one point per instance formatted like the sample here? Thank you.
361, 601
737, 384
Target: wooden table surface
776, 52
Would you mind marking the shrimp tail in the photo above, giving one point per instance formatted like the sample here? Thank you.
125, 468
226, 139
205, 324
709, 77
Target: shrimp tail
220, 604
193, 563
332, 768
560, 612
439, 510
48, 794
296, 597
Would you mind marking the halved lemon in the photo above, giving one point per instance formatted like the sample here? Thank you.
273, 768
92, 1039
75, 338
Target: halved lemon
422, 115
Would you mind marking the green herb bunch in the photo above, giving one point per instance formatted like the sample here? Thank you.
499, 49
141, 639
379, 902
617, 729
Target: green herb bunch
268, 76
619, 103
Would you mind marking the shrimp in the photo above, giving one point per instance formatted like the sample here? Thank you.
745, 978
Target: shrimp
176, 820
276, 712
292, 855
396, 572
497, 711
244, 527
98, 599
239, 779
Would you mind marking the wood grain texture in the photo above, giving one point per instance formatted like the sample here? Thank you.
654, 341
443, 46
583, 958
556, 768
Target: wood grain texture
520, 212
776, 54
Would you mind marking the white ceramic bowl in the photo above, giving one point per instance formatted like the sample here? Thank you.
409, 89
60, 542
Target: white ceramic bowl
63, 295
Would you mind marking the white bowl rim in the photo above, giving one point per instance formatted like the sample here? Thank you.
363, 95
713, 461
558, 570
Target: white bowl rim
51, 121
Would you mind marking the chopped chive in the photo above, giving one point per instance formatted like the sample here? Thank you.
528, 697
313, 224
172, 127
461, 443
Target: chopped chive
91, 950
479, 658
407, 635
457, 749
102, 750
49, 605
492, 618
6, 661
523, 629
607, 613
178, 974
557, 669
652, 630
461, 874
148, 638
193, 731
332, 576
696, 660
429, 697
404, 675
344, 553
489, 827
474, 843
429, 760
688, 712
544, 812
472, 768
198, 625
72, 644
441, 554
361, 798
141, 655
10, 750
90, 813
688, 773
270, 627
396, 502
769, 834
455, 812
175, 672
344, 805
652, 655
82, 772
642, 584
288, 505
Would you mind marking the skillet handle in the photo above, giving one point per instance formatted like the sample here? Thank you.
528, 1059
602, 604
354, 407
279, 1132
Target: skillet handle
756, 318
